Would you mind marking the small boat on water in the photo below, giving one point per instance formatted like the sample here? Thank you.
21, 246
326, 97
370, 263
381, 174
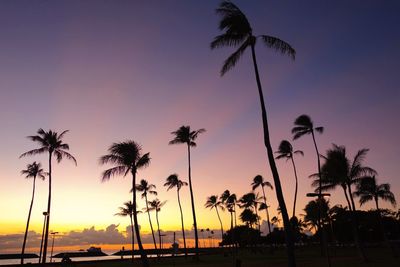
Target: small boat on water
90, 252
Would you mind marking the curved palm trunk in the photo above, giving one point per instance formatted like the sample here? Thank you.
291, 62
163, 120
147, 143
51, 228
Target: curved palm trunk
231, 212
151, 225
266, 209
234, 210
145, 261
295, 190
274, 170
133, 238
183, 227
46, 235
27, 223
347, 198
196, 237
220, 222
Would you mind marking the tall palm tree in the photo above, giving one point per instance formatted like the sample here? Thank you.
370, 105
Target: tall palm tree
127, 158
258, 181
369, 190
304, 126
156, 205
339, 170
238, 33
213, 203
147, 188
184, 135
285, 150
34, 171
127, 210
229, 200
50, 142
174, 181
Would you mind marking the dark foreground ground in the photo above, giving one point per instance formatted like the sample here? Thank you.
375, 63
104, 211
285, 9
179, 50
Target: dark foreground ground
306, 257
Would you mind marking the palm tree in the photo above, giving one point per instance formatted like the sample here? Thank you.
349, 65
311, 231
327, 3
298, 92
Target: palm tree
229, 200
368, 189
34, 171
127, 210
251, 201
127, 157
156, 205
238, 33
338, 170
316, 213
258, 181
248, 217
185, 136
285, 150
50, 142
174, 181
213, 203
147, 188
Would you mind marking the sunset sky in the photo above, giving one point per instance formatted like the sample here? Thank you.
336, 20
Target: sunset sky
109, 71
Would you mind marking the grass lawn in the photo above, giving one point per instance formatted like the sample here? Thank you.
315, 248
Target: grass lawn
306, 257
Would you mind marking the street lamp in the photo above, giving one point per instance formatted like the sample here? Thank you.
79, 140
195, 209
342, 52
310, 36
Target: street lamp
41, 242
52, 245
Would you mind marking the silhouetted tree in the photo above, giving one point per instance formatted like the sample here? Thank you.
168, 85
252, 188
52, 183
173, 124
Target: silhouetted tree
251, 201
50, 142
229, 200
248, 217
147, 188
34, 171
285, 150
258, 181
156, 205
238, 33
316, 213
127, 157
369, 190
174, 181
213, 203
127, 210
185, 136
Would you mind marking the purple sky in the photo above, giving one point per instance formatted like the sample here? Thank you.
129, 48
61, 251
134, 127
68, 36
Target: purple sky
115, 70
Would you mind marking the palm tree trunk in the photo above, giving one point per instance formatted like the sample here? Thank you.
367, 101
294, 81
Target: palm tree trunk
258, 219
266, 209
196, 237
46, 235
231, 212
347, 198
351, 197
158, 230
220, 222
274, 170
133, 238
151, 225
234, 210
183, 227
27, 223
295, 190
142, 252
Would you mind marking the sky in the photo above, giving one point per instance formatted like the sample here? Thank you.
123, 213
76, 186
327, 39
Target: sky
110, 71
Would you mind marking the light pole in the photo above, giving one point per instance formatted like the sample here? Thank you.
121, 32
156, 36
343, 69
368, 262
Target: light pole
52, 245
41, 242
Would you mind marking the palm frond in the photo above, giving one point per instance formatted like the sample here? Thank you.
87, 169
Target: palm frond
34, 152
118, 170
143, 161
279, 45
231, 61
227, 40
